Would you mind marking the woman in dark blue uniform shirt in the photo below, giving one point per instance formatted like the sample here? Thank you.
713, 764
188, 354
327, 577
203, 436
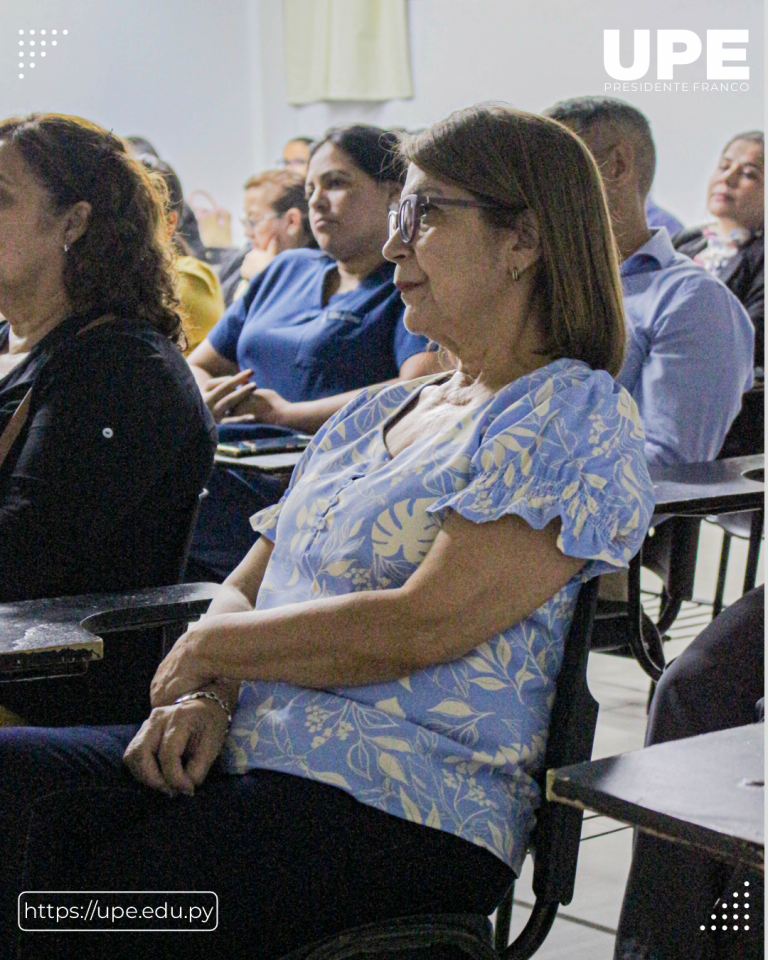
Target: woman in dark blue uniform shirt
311, 331
317, 326
304, 348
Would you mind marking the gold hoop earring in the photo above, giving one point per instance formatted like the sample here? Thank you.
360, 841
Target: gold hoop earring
515, 274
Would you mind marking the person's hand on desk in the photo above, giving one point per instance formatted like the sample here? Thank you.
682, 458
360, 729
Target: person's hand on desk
223, 395
261, 406
232, 399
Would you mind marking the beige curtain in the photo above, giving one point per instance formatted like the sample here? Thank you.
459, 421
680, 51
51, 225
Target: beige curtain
346, 50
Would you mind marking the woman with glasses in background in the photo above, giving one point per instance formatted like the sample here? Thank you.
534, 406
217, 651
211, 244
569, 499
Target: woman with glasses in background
732, 246
388, 649
296, 154
276, 218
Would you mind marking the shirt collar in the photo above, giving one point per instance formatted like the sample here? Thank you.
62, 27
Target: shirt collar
656, 254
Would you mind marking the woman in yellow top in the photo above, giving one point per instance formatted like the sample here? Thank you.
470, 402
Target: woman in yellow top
202, 302
200, 296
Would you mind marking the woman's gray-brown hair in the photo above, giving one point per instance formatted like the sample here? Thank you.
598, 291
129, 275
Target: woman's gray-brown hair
520, 160
751, 136
123, 262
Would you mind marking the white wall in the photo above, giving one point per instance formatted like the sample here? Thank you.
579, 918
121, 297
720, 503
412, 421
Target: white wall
531, 53
204, 79
174, 71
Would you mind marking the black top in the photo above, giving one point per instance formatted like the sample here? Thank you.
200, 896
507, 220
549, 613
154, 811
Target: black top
98, 490
742, 274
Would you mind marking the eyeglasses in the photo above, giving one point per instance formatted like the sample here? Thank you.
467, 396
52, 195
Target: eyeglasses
297, 163
250, 224
415, 205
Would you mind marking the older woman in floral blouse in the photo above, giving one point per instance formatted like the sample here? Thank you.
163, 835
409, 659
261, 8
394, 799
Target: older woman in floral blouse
389, 647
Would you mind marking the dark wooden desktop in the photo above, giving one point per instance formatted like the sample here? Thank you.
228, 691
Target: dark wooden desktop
62, 635
706, 791
710, 489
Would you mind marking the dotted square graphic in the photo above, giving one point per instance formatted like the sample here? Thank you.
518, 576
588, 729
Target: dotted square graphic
27, 43
737, 916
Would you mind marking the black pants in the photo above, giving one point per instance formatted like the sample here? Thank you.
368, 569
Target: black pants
714, 685
292, 860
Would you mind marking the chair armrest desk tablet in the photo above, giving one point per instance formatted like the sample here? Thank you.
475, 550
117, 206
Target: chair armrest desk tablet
706, 791
262, 463
60, 636
709, 489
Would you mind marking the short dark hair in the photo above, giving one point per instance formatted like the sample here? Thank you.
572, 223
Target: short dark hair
123, 263
142, 145
581, 114
172, 182
293, 197
296, 198
372, 149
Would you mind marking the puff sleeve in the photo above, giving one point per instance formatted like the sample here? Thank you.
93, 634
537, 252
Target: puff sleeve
571, 447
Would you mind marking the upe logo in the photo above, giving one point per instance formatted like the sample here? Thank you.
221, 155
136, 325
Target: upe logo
676, 48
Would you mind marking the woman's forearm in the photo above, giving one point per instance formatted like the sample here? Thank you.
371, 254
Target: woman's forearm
438, 615
201, 376
353, 639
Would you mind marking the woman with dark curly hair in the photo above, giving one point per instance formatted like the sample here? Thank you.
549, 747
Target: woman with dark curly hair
105, 442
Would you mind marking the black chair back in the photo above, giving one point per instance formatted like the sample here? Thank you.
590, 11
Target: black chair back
556, 844
116, 689
571, 735
556, 840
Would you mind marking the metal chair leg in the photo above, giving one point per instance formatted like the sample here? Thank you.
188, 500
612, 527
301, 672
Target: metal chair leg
503, 921
668, 614
534, 932
644, 640
755, 536
722, 570
649, 701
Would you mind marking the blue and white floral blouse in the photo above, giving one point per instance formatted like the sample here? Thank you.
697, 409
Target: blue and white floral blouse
454, 746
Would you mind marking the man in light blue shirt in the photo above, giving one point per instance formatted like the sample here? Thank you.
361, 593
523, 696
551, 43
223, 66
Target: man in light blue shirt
689, 355
690, 350
657, 216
